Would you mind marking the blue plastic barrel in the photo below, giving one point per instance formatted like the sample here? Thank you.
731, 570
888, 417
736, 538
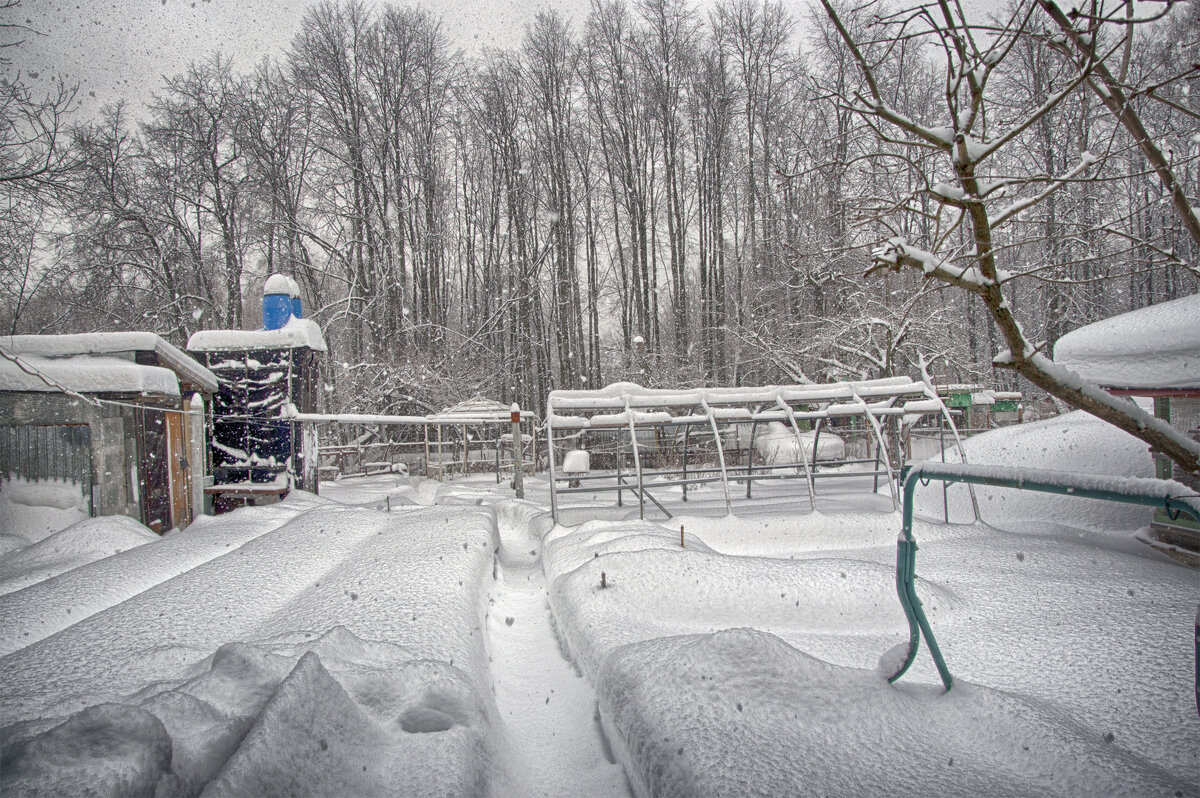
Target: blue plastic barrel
277, 309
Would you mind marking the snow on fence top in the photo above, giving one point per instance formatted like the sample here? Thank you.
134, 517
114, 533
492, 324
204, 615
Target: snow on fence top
471, 412
1157, 347
74, 358
293, 335
620, 403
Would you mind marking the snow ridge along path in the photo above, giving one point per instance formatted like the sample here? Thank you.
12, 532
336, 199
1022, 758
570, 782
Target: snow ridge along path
548, 708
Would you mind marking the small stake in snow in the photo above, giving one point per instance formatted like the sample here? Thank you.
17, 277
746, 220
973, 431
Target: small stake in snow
603, 581
681, 536
389, 503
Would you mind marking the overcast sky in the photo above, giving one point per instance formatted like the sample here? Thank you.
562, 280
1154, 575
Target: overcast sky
121, 48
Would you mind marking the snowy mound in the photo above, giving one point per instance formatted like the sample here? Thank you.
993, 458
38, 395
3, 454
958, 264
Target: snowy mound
1155, 347
304, 704
740, 712
31, 511
696, 589
49, 606
1076, 442
335, 715
79, 544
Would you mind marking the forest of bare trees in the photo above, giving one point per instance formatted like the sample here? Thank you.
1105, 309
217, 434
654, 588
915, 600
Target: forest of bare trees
653, 193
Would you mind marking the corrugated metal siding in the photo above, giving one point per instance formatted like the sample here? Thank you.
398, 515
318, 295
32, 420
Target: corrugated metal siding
44, 452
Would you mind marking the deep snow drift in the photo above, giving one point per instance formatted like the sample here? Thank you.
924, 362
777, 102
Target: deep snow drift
463, 644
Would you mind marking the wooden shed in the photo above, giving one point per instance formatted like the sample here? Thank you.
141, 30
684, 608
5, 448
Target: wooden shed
118, 415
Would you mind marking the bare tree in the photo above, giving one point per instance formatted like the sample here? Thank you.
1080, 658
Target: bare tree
970, 137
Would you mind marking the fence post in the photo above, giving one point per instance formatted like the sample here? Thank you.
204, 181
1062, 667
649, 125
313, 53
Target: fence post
518, 465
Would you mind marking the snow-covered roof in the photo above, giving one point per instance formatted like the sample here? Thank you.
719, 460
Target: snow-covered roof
293, 335
477, 407
86, 374
1157, 347
112, 343
629, 401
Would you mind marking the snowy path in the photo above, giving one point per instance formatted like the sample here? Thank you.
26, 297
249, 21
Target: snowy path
548, 708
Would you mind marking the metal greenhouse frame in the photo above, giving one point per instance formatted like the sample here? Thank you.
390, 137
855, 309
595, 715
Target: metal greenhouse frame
632, 408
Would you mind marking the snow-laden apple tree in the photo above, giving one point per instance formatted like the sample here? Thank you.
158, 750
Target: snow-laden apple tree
1010, 205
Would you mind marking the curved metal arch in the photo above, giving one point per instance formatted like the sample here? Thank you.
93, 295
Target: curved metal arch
931, 393
791, 415
712, 422
887, 460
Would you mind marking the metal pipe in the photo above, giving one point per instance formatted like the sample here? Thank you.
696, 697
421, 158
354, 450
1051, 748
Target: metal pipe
1147, 492
686, 434
812, 494
720, 452
550, 460
750, 456
637, 460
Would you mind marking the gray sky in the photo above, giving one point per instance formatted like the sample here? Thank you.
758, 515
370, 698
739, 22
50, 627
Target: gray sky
121, 48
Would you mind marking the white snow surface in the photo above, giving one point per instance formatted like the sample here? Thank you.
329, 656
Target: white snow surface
1076, 442
110, 343
398, 636
87, 374
296, 333
1154, 347
81, 543
577, 461
281, 284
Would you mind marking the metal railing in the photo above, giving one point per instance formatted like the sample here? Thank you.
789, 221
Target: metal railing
1171, 496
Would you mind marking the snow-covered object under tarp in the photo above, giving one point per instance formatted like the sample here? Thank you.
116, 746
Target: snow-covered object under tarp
777, 445
79, 544
1157, 347
296, 333
111, 344
696, 703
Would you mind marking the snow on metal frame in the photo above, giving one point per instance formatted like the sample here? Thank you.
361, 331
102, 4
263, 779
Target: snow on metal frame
628, 405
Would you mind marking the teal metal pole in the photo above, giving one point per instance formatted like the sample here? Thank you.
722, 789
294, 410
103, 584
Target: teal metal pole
1147, 492
906, 588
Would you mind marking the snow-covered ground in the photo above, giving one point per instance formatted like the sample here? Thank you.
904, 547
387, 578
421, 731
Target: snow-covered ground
396, 636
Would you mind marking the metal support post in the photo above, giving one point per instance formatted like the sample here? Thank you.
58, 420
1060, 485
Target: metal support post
518, 466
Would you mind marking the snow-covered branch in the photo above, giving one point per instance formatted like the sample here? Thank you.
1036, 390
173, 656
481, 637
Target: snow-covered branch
1086, 161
